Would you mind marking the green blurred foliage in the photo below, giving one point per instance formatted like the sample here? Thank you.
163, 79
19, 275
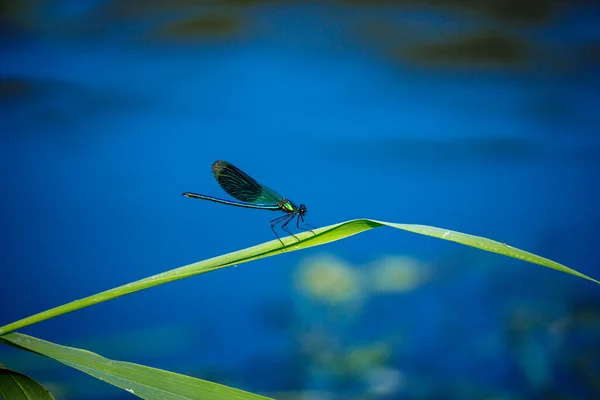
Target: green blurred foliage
202, 26
523, 11
465, 33
484, 48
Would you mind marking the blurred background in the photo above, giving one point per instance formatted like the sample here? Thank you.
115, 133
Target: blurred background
476, 116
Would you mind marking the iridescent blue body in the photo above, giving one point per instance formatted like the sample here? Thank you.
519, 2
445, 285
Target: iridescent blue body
252, 194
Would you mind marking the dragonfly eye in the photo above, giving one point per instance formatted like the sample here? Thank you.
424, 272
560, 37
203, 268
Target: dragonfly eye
302, 209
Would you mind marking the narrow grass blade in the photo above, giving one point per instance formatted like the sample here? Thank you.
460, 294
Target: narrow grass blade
307, 239
17, 386
142, 381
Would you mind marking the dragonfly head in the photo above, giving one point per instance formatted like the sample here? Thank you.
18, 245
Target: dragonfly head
302, 210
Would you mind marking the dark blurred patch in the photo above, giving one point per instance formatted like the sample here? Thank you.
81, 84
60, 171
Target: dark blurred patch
515, 10
179, 19
387, 34
13, 88
134, 9
579, 356
128, 18
14, 17
202, 26
10, 11
520, 11
487, 48
592, 54
277, 315
27, 102
35, 17
143, 8
457, 150
268, 372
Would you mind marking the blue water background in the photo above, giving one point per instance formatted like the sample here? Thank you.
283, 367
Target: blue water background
104, 123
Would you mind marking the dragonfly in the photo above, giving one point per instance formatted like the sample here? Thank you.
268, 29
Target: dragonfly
252, 194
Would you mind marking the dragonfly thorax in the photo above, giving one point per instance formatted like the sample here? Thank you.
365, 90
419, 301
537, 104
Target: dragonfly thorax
289, 207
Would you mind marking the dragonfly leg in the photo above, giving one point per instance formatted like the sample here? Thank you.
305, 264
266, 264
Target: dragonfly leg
275, 222
290, 217
278, 220
300, 217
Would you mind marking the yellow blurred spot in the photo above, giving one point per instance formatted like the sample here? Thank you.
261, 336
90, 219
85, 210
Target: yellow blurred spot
367, 357
384, 381
396, 274
329, 279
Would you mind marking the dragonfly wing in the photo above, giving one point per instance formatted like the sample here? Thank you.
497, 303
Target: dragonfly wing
242, 186
268, 195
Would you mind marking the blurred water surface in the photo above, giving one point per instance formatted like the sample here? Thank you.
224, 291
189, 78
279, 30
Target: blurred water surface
474, 116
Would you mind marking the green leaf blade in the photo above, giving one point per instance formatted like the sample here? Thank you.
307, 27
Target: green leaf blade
489, 245
139, 380
17, 386
320, 236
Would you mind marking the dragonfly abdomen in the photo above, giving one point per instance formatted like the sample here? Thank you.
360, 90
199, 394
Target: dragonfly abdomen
271, 207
